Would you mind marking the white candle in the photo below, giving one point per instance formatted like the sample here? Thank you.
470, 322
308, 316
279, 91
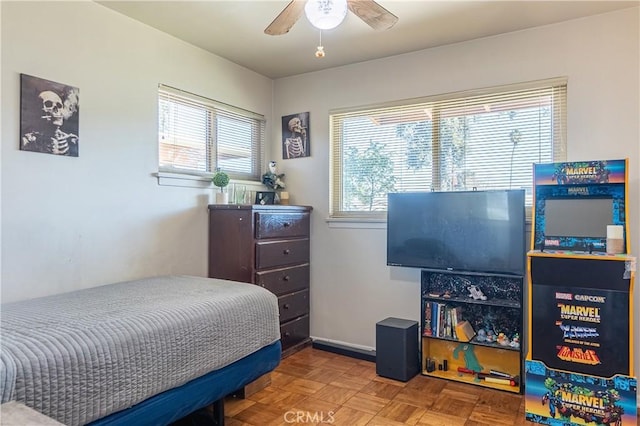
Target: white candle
615, 239
615, 232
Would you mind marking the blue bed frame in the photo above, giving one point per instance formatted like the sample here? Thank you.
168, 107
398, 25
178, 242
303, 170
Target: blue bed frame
211, 388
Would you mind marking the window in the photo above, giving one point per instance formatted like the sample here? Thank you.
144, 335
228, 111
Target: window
486, 139
198, 135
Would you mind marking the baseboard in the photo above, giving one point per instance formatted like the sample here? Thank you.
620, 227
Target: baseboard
336, 348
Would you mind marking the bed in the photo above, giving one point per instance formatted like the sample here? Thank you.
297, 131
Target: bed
148, 351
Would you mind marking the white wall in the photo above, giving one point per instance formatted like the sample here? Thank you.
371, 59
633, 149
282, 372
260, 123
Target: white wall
70, 223
351, 287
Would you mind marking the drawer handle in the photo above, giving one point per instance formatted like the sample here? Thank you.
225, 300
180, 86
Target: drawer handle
286, 306
287, 334
286, 224
285, 278
286, 251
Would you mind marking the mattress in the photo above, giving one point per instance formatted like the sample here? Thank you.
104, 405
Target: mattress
176, 403
80, 356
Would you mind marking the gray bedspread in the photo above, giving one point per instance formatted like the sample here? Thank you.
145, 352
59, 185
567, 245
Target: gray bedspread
80, 356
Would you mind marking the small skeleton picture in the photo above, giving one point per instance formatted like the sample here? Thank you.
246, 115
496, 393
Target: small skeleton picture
295, 136
48, 117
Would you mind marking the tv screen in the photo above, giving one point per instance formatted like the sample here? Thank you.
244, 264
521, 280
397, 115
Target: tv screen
481, 231
578, 217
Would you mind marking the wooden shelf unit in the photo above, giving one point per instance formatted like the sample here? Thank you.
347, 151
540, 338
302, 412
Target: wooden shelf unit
501, 312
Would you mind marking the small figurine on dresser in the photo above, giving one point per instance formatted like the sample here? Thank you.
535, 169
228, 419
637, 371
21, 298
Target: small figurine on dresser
274, 181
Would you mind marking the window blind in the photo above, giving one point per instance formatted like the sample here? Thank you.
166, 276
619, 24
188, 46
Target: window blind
197, 135
484, 139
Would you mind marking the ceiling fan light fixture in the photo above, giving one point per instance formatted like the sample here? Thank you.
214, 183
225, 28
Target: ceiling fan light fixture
325, 14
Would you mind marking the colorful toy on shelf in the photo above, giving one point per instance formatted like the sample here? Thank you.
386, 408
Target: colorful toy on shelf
482, 336
515, 341
492, 377
502, 339
476, 293
470, 359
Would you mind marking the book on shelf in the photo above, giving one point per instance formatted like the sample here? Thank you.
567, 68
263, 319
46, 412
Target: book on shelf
435, 318
447, 325
427, 330
454, 321
442, 320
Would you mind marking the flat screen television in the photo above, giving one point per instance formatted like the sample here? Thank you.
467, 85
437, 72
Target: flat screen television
481, 231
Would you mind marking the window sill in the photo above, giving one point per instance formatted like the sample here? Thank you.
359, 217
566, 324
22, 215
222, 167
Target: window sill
194, 181
178, 179
356, 223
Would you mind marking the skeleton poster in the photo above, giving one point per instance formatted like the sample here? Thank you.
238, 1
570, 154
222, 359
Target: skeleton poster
48, 117
295, 136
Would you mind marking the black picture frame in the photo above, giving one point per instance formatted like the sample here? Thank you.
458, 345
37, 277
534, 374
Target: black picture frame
265, 198
49, 116
296, 139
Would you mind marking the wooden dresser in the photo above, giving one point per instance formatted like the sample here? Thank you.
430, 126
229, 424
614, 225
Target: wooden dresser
267, 246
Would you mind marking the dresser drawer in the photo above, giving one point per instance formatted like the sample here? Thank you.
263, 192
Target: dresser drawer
293, 305
294, 331
270, 254
281, 225
284, 280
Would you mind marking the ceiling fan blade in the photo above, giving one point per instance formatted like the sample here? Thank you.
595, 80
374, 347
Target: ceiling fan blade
374, 15
285, 20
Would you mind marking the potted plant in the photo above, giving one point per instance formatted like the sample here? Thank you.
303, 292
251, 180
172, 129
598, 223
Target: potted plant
221, 179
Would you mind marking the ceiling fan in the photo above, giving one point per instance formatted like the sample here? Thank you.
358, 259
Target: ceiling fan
374, 15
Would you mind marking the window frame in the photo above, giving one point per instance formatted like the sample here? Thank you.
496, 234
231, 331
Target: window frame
169, 174
336, 175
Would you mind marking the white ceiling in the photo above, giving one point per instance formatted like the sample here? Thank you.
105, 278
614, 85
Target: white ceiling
234, 29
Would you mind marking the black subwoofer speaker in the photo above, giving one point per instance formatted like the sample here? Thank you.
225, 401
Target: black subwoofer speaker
397, 349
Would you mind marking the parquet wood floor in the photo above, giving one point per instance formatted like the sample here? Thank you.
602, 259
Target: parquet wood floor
314, 387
